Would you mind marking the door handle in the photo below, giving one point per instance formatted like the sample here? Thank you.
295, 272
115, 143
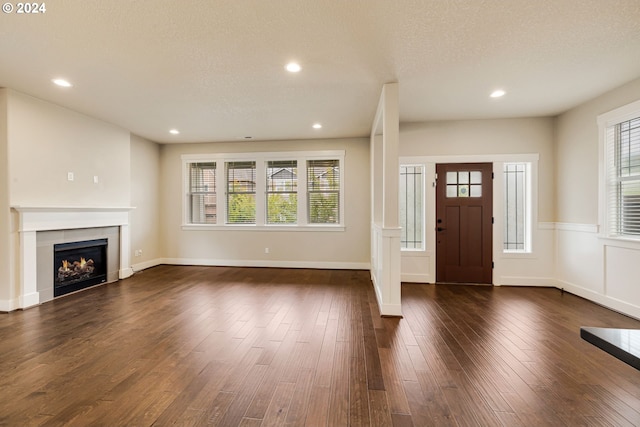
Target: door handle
441, 229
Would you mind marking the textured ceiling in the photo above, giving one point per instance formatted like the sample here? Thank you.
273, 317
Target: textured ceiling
215, 69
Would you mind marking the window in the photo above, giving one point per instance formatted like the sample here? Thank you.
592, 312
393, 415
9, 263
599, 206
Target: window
323, 188
516, 207
241, 192
623, 178
411, 198
464, 184
263, 191
282, 196
202, 193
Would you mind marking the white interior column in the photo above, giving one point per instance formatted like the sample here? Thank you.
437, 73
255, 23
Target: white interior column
385, 230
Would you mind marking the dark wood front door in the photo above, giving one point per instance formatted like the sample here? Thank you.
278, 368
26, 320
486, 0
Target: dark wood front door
464, 206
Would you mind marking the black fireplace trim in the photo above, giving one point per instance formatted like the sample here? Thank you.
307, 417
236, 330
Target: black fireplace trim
60, 289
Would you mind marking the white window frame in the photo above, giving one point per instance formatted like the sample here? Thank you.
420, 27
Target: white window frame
423, 245
527, 207
261, 159
605, 122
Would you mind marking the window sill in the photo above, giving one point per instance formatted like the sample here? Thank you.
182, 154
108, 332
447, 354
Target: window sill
621, 242
517, 254
253, 227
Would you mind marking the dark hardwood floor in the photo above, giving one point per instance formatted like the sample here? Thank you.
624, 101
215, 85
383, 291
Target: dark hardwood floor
231, 346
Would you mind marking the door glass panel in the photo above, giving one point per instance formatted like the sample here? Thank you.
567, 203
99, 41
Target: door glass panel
464, 184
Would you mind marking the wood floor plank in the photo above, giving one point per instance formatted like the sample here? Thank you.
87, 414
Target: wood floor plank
189, 346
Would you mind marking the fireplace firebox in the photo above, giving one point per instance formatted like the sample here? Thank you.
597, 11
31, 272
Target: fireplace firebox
79, 265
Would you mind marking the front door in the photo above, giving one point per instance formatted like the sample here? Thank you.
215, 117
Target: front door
464, 205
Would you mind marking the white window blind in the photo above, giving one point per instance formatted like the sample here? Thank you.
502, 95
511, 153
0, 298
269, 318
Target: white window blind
323, 188
623, 178
241, 192
411, 206
282, 196
202, 193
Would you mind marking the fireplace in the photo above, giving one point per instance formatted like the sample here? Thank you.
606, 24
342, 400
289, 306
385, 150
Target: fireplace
78, 265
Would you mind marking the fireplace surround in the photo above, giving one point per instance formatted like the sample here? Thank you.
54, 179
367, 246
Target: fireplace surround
38, 224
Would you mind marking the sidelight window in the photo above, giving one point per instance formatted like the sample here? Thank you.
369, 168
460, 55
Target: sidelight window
517, 196
411, 199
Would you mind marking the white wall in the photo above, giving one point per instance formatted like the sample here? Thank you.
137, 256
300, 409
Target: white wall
47, 141
338, 249
487, 141
40, 143
145, 198
599, 269
5, 220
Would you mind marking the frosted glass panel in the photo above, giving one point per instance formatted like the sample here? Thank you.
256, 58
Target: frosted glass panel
476, 177
452, 191
463, 177
476, 191
452, 177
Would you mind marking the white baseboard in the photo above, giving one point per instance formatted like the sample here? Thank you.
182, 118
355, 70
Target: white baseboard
29, 300
604, 300
262, 263
125, 272
7, 305
416, 278
147, 264
525, 281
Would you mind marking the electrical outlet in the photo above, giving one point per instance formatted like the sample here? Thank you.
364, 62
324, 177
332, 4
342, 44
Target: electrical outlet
138, 252
95, 179
266, 250
69, 176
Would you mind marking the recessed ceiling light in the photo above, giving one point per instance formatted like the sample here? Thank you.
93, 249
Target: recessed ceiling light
293, 67
174, 131
317, 126
62, 82
497, 93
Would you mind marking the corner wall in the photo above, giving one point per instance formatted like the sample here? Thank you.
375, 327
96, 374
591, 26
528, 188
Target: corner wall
47, 141
40, 143
145, 197
308, 249
493, 141
599, 269
6, 293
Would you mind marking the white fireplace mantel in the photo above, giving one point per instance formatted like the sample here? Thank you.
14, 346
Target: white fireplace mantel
44, 218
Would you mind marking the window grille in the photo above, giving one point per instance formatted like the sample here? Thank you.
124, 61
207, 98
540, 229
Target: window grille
411, 206
202, 193
241, 192
323, 188
282, 196
516, 207
623, 153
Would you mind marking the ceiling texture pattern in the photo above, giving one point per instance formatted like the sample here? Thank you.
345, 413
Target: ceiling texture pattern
214, 69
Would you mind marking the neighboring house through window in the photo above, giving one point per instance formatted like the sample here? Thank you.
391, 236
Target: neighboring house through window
263, 190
